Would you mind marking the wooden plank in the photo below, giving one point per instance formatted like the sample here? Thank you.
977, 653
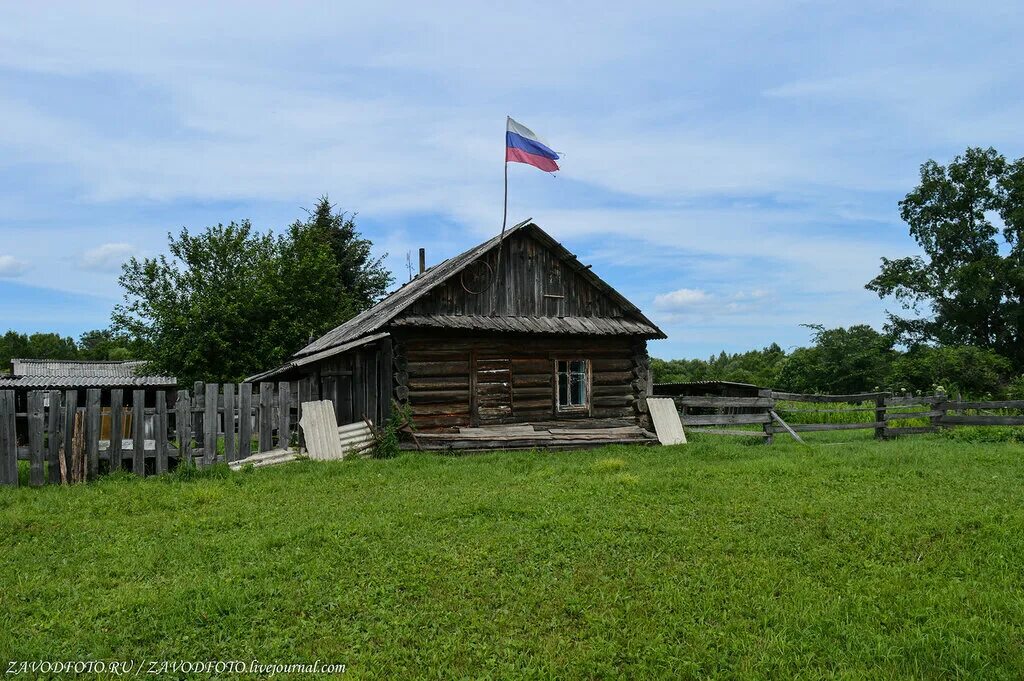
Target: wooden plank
68, 435
211, 423
139, 432
284, 414
721, 402
244, 420
198, 409
305, 394
727, 431
899, 416
982, 420
818, 427
160, 432
804, 397
230, 453
53, 438
994, 404
8, 440
93, 420
36, 428
266, 412
724, 419
785, 425
183, 427
666, 421
116, 428
913, 401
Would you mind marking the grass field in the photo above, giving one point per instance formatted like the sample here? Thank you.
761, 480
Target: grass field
720, 558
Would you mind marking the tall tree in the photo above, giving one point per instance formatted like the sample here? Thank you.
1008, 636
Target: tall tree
967, 287
230, 301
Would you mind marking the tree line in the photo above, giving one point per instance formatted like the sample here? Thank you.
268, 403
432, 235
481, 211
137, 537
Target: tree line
960, 324
229, 301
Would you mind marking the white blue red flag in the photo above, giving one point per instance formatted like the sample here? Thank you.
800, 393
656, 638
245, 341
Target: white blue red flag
522, 145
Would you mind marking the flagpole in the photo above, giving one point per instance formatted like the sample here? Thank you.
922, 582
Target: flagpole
504, 215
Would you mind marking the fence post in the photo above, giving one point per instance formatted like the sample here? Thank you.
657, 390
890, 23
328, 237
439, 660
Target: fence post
769, 436
940, 405
266, 417
244, 420
198, 405
8, 440
139, 432
53, 438
229, 422
210, 425
183, 426
160, 432
284, 412
35, 437
305, 395
116, 428
66, 459
93, 420
880, 416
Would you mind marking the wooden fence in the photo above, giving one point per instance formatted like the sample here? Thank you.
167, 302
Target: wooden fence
886, 414
71, 436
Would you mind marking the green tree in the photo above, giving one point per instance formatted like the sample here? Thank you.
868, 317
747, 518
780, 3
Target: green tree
35, 346
967, 287
841, 361
973, 372
230, 301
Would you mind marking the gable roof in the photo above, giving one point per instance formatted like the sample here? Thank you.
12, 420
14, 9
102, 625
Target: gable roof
381, 314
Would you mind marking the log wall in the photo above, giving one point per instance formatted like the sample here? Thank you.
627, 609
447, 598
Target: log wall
450, 382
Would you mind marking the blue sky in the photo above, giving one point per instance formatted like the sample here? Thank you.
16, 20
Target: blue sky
733, 168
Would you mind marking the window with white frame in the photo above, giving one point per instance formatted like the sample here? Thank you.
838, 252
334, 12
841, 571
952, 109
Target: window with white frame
573, 384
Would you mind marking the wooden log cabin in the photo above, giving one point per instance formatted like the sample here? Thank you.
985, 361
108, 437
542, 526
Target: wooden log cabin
514, 343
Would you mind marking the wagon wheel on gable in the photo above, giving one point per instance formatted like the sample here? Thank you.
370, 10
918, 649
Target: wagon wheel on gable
477, 277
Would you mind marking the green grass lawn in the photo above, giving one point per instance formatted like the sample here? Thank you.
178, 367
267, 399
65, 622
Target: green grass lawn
868, 559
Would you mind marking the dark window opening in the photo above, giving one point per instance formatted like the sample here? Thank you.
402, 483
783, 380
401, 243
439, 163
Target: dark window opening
573, 384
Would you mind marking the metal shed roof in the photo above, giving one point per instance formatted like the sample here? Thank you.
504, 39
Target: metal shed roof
53, 373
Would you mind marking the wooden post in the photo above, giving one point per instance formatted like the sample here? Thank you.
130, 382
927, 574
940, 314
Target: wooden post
160, 432
385, 371
244, 420
229, 422
210, 424
36, 400
139, 432
880, 416
305, 391
93, 420
116, 428
199, 402
8, 440
53, 438
78, 447
183, 425
266, 417
284, 412
68, 438
769, 432
940, 405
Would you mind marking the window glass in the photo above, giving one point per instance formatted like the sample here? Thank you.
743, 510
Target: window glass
572, 383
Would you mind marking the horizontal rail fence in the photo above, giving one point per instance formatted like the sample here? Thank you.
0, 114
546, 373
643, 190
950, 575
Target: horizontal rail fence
707, 414
830, 412
78, 435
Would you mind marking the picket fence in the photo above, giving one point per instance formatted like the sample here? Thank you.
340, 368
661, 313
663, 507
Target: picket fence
72, 435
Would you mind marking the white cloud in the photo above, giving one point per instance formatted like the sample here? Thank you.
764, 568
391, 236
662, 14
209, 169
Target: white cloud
681, 299
106, 256
11, 266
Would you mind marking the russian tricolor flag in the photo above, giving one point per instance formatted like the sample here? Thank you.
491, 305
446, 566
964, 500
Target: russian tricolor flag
522, 145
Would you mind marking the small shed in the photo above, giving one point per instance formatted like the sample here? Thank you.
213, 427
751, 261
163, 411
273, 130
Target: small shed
63, 374
515, 330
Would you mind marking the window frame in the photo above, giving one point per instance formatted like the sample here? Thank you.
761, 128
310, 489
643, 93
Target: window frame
587, 405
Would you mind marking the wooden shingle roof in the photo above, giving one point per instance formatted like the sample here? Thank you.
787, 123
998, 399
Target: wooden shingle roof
387, 311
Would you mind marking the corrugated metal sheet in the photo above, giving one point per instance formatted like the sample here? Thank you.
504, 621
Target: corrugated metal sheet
49, 373
387, 310
596, 326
